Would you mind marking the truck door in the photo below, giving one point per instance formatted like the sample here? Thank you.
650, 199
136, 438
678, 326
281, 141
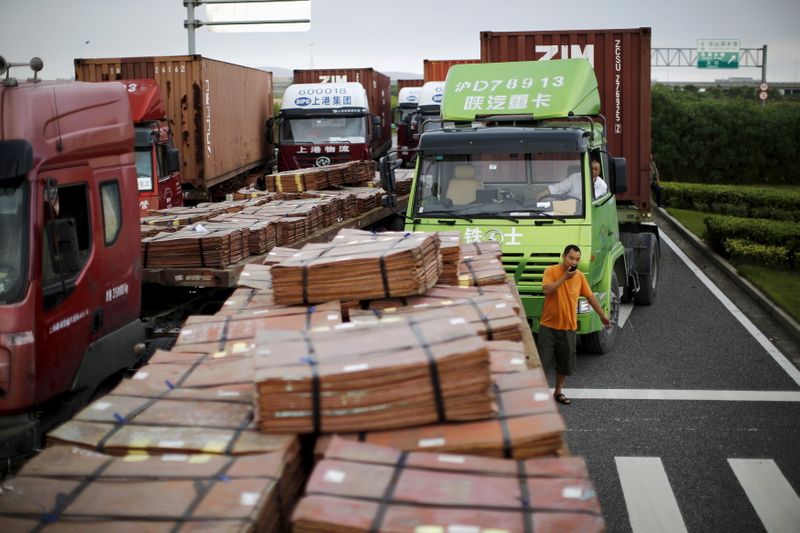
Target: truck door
68, 285
604, 217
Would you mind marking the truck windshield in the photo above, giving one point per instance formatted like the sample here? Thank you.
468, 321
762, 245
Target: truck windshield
318, 130
144, 168
501, 184
14, 220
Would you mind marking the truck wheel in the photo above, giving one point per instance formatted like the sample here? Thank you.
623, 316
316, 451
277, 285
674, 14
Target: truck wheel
601, 342
648, 283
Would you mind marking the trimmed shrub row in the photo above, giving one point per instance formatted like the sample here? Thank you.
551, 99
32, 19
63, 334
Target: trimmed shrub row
704, 139
765, 241
734, 200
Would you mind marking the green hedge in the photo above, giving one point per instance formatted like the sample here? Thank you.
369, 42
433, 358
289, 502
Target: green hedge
707, 138
773, 241
761, 254
735, 200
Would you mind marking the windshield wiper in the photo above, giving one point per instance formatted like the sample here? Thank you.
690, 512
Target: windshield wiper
550, 215
446, 213
499, 214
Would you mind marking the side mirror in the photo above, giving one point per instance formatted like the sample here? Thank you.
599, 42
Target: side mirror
62, 238
173, 160
619, 174
271, 130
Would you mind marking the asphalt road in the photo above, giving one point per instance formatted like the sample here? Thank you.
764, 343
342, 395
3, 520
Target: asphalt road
685, 462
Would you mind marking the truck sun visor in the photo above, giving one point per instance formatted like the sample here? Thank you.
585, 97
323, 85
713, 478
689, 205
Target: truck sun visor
16, 158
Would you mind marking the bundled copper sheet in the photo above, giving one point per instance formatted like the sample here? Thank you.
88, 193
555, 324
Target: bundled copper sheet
527, 425
367, 198
475, 250
87, 491
403, 178
508, 357
252, 193
480, 271
385, 375
278, 254
492, 319
263, 235
383, 267
196, 247
255, 276
345, 200
361, 487
211, 333
245, 299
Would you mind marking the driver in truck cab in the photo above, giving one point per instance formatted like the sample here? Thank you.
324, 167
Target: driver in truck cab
571, 186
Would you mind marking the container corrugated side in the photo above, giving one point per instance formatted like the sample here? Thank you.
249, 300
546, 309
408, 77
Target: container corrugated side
436, 69
621, 60
198, 129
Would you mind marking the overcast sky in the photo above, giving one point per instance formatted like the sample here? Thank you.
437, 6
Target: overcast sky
390, 35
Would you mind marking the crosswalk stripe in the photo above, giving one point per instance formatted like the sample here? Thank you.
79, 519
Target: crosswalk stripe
776, 504
679, 394
651, 504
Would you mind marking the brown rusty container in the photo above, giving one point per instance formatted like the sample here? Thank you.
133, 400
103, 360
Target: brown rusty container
379, 95
436, 69
218, 111
402, 84
621, 60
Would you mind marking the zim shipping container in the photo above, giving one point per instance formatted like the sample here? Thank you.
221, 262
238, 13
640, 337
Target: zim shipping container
436, 69
218, 112
621, 61
379, 95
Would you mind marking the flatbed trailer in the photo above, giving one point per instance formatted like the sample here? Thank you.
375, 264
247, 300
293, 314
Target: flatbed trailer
228, 276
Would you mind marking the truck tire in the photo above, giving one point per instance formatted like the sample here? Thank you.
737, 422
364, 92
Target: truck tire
648, 283
600, 342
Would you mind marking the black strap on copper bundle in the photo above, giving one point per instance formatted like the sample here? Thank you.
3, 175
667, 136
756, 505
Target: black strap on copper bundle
388, 493
485, 319
468, 264
202, 255
501, 417
224, 338
202, 488
65, 500
432, 369
525, 497
316, 397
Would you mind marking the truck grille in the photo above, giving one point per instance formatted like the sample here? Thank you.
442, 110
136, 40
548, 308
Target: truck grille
528, 270
310, 160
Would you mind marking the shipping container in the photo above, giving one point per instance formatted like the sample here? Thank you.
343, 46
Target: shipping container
218, 112
402, 84
621, 61
379, 95
436, 69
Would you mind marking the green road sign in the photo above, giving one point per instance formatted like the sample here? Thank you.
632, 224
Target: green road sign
717, 59
718, 53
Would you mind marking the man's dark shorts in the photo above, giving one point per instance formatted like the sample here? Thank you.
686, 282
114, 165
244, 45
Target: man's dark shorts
559, 345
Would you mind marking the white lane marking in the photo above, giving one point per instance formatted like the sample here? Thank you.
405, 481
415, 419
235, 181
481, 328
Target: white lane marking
777, 505
779, 358
679, 394
651, 504
625, 311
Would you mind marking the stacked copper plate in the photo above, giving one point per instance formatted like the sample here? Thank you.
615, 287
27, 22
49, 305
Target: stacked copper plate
474, 250
403, 178
196, 247
255, 276
386, 375
348, 205
298, 180
384, 266
367, 198
84, 490
527, 425
492, 319
247, 298
484, 270
236, 332
263, 230
279, 254
360, 172
359, 487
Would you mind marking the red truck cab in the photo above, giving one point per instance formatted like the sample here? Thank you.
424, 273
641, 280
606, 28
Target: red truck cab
325, 123
407, 104
70, 276
157, 161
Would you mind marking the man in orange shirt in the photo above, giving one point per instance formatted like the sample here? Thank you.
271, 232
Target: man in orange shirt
562, 285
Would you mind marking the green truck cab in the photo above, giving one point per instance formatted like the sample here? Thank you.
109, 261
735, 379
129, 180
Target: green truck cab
512, 162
